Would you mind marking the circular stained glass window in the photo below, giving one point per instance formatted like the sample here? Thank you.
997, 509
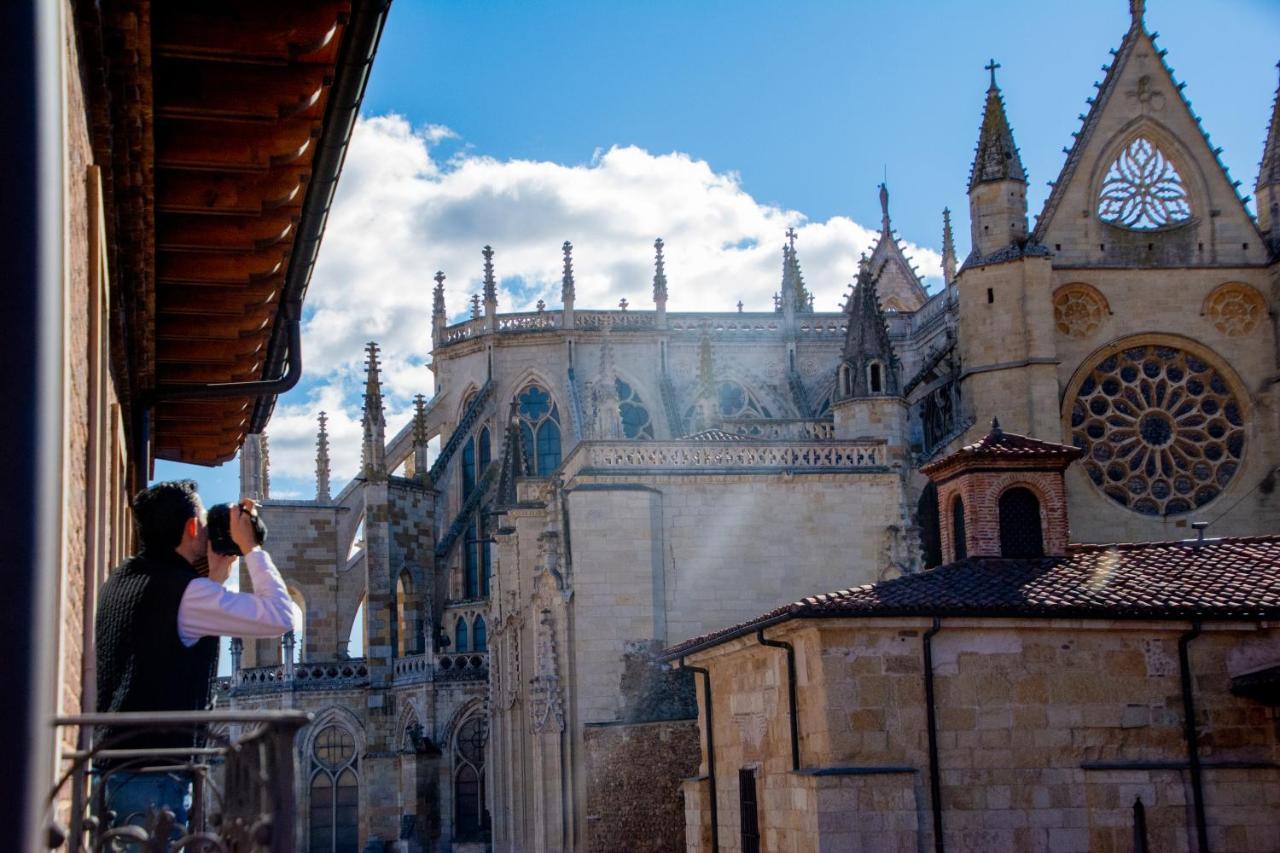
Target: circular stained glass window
1161, 429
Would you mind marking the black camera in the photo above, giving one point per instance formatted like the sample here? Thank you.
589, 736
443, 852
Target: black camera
220, 530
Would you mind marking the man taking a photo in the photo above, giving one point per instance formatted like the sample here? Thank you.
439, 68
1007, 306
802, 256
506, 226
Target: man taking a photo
158, 625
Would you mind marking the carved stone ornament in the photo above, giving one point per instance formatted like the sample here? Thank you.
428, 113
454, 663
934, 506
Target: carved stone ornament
546, 707
1142, 191
1162, 429
1235, 309
1078, 310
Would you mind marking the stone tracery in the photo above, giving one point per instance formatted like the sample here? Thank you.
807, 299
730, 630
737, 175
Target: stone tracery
1142, 191
1161, 428
1078, 310
1235, 308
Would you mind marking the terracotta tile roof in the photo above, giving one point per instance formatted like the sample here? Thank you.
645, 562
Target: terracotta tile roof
1219, 579
1007, 446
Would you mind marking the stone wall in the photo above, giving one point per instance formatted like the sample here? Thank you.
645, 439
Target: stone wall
1047, 733
634, 800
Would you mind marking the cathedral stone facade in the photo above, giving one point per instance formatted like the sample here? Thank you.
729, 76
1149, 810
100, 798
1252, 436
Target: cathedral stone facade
588, 487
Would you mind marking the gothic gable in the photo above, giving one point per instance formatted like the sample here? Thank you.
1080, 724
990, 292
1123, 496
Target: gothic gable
1142, 186
899, 287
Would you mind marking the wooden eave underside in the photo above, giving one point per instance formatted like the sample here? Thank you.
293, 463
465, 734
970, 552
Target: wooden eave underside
239, 92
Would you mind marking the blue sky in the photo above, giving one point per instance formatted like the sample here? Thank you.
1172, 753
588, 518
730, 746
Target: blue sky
523, 124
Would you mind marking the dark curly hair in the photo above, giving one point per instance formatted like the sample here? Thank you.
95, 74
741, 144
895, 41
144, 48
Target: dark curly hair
161, 511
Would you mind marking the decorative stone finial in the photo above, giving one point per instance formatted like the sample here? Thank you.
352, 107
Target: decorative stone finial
373, 421
490, 283
884, 208
659, 276
948, 249
475, 306
322, 460
995, 427
567, 290
1137, 11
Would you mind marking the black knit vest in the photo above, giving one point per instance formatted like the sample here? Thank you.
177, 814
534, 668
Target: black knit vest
142, 663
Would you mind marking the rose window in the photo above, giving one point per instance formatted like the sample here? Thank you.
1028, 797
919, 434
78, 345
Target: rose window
1142, 190
1078, 311
1161, 429
1235, 309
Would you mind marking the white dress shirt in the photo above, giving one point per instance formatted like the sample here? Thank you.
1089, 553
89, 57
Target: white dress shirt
208, 609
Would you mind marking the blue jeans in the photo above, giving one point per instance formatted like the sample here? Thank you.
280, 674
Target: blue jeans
130, 794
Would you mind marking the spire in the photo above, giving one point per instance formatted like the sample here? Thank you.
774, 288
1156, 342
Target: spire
438, 316
266, 467
420, 438
373, 456
1267, 189
867, 343
997, 157
659, 276
885, 226
608, 414
322, 461
948, 249
795, 297
567, 292
490, 285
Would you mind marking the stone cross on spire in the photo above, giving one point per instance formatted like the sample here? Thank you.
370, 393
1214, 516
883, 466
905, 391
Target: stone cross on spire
567, 292
439, 319
373, 451
420, 438
322, 461
948, 249
992, 66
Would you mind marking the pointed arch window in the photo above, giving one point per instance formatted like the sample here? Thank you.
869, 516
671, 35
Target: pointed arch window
958, 543
479, 635
460, 643
635, 415
471, 820
333, 819
875, 377
477, 561
1020, 532
1142, 190
539, 430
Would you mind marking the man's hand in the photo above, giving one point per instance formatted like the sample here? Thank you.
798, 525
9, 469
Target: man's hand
242, 526
219, 566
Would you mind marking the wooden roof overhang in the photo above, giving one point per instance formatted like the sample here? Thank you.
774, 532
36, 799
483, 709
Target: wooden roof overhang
251, 104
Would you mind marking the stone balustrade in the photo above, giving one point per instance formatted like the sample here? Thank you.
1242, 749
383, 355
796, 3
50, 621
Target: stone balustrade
606, 457
468, 666
330, 675
827, 325
785, 429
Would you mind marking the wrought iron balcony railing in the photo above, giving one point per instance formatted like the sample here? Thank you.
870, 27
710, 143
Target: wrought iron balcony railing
251, 804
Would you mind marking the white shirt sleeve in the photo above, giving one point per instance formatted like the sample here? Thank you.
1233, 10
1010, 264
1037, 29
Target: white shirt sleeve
208, 609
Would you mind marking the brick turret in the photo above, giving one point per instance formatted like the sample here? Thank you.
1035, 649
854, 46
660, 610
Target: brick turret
1004, 496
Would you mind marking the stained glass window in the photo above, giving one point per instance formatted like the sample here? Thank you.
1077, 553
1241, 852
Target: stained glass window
468, 469
480, 635
471, 821
635, 416
1142, 190
1162, 431
335, 793
460, 636
539, 430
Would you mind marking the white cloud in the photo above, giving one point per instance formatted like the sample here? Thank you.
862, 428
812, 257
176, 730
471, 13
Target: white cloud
402, 212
